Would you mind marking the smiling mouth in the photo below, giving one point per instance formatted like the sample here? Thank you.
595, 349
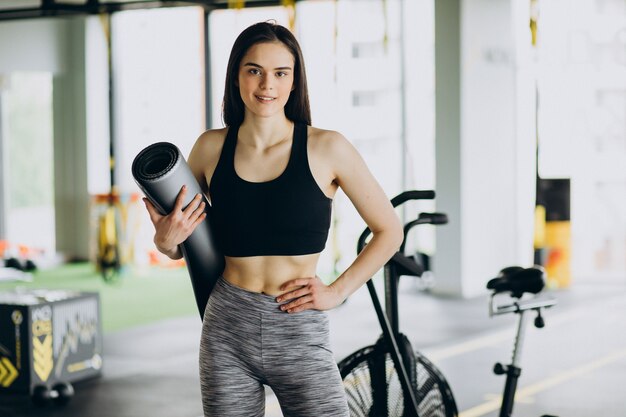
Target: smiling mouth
265, 99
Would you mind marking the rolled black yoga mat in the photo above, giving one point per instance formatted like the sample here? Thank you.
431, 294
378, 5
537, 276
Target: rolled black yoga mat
160, 170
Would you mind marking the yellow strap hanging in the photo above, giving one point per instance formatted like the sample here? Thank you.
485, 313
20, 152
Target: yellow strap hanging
291, 11
534, 19
236, 4
105, 22
110, 231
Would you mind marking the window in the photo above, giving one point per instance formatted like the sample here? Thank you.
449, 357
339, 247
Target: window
27, 162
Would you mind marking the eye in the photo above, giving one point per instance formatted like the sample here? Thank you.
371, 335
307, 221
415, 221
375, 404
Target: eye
254, 71
281, 74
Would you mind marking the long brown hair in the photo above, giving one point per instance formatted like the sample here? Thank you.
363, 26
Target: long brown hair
297, 108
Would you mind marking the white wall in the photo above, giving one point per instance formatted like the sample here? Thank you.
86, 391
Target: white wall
582, 83
33, 45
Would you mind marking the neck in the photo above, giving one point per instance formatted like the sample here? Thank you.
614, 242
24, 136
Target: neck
264, 132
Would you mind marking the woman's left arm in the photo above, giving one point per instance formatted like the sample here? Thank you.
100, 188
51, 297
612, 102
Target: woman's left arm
373, 205
357, 182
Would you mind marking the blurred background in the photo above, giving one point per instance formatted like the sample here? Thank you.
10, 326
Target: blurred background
513, 111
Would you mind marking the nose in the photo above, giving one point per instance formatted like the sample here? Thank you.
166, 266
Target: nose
266, 83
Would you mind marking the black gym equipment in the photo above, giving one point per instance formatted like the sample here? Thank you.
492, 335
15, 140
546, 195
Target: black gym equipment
160, 170
41, 396
514, 282
14, 263
389, 378
27, 265
60, 394
49, 339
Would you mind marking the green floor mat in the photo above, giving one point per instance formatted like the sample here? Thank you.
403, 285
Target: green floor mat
139, 296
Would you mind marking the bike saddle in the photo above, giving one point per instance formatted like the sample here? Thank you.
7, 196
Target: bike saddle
518, 280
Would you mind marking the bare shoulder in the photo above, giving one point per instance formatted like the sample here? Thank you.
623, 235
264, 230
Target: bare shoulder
205, 155
331, 153
329, 143
210, 141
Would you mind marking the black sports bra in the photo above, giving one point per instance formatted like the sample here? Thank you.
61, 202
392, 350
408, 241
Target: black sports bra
289, 215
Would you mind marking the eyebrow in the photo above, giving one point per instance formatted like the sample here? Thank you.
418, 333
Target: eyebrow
252, 64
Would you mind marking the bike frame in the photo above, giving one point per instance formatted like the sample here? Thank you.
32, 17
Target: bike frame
389, 320
399, 265
513, 371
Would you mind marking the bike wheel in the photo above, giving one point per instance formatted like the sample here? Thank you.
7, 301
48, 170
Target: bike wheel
363, 387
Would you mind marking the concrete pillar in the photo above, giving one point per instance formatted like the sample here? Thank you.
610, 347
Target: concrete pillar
485, 174
70, 146
446, 262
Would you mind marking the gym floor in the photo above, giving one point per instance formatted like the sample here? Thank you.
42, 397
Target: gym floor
574, 367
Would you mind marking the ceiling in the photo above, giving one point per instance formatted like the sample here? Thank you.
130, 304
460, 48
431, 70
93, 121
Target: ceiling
27, 9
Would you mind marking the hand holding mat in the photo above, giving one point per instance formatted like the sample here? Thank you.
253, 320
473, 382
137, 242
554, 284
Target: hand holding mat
160, 170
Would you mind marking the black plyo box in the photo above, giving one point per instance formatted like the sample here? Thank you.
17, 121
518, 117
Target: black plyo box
48, 336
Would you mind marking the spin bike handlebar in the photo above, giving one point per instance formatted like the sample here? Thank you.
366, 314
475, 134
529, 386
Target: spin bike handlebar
396, 201
388, 334
423, 218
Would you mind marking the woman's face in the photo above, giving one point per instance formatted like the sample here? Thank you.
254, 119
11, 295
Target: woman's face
266, 78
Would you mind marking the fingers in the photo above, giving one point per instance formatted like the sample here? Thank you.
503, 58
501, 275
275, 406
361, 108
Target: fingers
312, 294
304, 305
178, 205
298, 282
288, 307
294, 294
199, 220
176, 226
152, 211
300, 299
195, 208
193, 215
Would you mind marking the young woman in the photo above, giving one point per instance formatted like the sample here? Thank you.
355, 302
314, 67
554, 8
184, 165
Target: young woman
271, 177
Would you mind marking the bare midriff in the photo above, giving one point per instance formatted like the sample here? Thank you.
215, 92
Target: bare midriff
265, 274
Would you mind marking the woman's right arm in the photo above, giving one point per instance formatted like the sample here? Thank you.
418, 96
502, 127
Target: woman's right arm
174, 228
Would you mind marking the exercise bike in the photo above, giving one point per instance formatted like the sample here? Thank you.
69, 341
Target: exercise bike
389, 378
514, 282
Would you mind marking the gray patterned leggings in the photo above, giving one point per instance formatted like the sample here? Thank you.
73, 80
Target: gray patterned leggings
247, 341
